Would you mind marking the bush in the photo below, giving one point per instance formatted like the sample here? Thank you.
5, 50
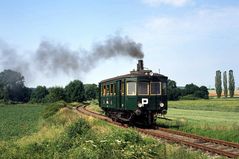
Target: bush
53, 108
131, 136
78, 128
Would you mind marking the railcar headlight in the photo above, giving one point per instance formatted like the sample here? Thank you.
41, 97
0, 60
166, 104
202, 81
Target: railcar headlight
140, 105
161, 105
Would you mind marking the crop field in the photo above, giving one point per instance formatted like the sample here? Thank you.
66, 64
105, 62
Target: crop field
215, 118
19, 120
212, 93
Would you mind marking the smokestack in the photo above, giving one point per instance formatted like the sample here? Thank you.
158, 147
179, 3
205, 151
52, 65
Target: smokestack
140, 65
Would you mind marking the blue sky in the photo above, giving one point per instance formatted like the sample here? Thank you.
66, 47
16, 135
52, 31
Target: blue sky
188, 40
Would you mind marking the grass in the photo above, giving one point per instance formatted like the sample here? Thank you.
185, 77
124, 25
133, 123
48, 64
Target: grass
65, 134
19, 120
94, 106
215, 118
214, 124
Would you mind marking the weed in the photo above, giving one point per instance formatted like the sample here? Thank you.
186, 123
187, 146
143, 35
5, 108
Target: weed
51, 109
78, 128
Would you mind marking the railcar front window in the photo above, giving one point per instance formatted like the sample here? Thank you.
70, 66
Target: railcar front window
143, 88
131, 88
155, 88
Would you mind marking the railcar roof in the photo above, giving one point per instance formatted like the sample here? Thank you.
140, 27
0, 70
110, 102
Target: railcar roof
135, 74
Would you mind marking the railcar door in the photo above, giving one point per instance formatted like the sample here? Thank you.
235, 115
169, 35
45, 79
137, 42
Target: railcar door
118, 94
122, 92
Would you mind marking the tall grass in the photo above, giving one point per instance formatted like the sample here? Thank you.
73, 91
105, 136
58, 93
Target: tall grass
67, 135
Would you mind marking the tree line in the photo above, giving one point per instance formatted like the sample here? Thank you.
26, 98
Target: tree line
189, 92
229, 85
12, 89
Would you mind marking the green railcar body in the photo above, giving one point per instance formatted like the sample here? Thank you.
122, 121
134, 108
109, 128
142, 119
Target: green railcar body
140, 93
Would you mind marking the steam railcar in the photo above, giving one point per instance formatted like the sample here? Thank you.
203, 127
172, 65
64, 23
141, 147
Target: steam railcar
135, 97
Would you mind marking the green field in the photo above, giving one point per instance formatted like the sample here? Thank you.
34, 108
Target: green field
223, 104
215, 118
19, 120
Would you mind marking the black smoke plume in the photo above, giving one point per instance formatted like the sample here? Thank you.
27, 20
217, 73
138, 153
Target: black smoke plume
51, 58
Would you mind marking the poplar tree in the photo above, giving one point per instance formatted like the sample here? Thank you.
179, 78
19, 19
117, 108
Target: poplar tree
231, 84
218, 83
225, 83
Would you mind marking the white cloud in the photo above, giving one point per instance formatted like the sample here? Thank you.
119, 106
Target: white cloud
177, 3
204, 40
202, 23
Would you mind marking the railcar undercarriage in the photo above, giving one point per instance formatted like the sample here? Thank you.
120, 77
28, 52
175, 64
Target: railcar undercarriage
146, 118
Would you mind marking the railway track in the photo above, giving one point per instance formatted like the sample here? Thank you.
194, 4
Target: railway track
213, 146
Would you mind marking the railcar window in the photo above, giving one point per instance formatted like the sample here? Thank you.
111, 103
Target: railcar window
164, 88
155, 88
131, 88
143, 88
104, 90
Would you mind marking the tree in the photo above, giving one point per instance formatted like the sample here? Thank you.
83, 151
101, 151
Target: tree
225, 83
12, 87
173, 92
190, 89
91, 91
193, 91
231, 83
204, 92
75, 91
1, 91
55, 94
218, 83
38, 95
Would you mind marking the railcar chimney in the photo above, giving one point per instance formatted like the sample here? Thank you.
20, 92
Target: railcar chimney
140, 65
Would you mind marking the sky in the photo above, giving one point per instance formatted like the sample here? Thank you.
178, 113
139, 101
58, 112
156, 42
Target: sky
186, 40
